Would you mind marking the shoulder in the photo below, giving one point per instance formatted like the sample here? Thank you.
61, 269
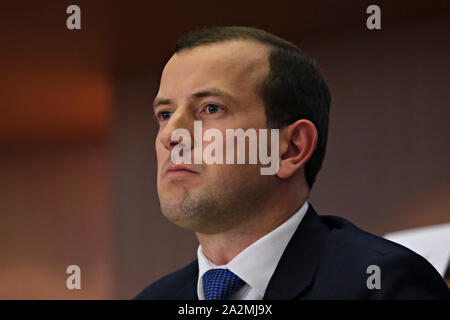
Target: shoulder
352, 255
345, 236
172, 285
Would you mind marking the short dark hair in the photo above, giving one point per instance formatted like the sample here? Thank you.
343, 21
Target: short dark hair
293, 89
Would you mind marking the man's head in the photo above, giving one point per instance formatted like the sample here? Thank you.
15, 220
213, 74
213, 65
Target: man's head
237, 77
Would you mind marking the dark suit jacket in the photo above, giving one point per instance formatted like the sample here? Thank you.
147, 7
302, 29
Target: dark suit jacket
327, 258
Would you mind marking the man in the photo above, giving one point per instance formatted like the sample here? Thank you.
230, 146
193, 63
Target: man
259, 237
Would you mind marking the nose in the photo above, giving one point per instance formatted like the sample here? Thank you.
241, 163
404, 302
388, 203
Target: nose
180, 119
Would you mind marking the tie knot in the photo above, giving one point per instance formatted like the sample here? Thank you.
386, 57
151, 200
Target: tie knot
220, 284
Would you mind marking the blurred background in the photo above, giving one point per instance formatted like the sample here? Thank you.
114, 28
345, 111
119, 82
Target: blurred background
77, 160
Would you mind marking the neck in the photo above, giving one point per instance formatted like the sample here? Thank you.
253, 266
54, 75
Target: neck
221, 248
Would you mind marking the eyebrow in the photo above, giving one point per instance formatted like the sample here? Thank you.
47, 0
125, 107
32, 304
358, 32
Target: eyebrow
213, 92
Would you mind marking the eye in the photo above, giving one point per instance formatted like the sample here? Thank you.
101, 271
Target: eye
212, 108
163, 115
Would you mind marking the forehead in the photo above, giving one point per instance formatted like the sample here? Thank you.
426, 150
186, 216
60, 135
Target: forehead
232, 65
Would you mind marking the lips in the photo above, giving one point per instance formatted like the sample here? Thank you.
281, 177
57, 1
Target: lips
178, 170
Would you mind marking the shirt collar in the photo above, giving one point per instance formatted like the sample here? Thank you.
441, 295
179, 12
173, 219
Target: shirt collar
256, 263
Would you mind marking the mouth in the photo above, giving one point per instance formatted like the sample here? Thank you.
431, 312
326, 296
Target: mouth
178, 171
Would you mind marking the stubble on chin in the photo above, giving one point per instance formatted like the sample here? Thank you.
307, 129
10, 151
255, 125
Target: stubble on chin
198, 212
214, 208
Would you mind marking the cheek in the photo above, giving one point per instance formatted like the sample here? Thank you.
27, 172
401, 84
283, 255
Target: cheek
235, 175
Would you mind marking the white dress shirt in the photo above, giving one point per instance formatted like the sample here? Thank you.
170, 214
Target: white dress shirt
255, 264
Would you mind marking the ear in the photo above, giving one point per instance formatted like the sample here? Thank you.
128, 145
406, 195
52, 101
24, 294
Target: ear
298, 143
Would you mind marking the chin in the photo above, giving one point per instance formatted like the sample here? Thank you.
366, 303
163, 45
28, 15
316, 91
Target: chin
180, 219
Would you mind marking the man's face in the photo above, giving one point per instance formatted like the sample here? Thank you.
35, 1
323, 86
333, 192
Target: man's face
217, 85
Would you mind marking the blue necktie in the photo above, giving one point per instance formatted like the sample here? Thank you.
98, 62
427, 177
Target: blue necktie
220, 284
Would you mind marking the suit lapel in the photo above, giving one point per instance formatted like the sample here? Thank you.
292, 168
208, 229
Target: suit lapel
189, 290
299, 261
